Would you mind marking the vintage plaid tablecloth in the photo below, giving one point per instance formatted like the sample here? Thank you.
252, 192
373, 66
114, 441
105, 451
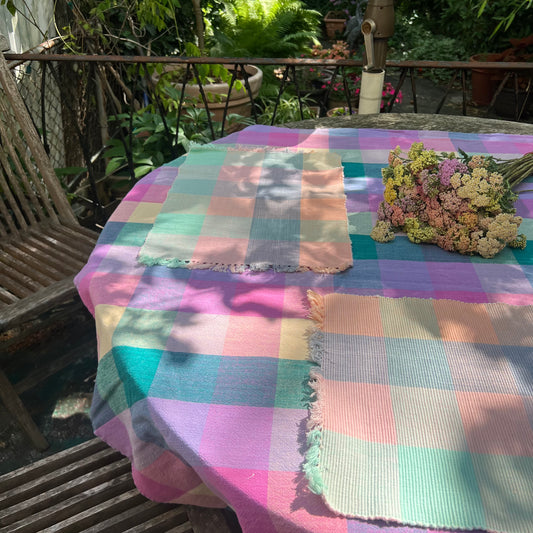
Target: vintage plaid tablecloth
203, 376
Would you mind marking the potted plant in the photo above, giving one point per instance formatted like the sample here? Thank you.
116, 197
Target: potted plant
340, 112
215, 80
335, 24
485, 82
340, 12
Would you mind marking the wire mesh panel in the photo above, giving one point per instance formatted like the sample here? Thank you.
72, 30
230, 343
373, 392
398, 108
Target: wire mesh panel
42, 96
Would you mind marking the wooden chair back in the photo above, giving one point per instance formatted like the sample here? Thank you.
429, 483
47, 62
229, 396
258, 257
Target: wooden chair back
42, 245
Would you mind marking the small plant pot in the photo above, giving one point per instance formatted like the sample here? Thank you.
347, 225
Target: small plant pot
340, 112
335, 25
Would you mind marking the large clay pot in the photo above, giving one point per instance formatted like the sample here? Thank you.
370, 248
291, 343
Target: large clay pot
239, 100
484, 81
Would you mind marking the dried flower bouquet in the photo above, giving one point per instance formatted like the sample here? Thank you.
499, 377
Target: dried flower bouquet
461, 203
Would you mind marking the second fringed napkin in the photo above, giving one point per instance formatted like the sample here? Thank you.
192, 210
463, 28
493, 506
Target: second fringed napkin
253, 208
423, 411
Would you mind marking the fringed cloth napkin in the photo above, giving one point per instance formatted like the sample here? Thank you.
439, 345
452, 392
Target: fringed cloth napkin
253, 208
423, 411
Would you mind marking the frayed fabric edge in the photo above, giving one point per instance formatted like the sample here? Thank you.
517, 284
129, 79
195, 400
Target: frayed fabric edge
235, 268
223, 147
315, 334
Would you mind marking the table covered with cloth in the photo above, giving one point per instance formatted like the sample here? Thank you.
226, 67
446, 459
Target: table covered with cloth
395, 395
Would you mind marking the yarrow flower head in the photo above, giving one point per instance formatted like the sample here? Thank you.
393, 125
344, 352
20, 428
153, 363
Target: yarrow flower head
461, 203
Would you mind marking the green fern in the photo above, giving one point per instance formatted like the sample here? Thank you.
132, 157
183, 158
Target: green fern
281, 28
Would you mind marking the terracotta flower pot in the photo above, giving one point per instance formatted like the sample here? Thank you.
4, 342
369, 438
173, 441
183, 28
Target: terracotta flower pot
484, 81
216, 92
335, 24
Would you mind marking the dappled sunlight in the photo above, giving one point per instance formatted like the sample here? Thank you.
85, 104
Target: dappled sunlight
75, 404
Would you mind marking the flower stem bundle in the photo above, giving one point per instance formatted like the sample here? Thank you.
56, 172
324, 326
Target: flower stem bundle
461, 203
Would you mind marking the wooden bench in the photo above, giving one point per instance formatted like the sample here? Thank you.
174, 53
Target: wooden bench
89, 488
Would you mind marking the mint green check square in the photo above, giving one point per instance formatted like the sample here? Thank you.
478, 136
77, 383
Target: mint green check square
365, 465
288, 160
200, 186
132, 234
360, 223
229, 227
510, 505
191, 204
178, 224
109, 384
439, 487
208, 158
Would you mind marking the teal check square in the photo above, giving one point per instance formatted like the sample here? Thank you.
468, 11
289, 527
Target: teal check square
292, 387
186, 377
363, 247
353, 170
401, 249
136, 368
132, 234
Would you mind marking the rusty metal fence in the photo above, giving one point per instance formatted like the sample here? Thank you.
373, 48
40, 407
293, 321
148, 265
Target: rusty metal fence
71, 99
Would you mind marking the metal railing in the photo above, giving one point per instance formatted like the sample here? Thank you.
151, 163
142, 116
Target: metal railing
117, 85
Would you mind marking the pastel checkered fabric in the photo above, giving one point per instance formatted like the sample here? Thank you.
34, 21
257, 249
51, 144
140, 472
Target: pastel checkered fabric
253, 208
203, 376
423, 411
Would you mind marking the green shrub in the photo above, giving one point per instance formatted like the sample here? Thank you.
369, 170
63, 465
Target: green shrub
459, 20
412, 41
288, 110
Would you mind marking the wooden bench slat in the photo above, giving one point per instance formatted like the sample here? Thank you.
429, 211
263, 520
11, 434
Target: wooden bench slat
20, 276
71, 506
6, 297
60, 242
17, 252
33, 305
59, 485
84, 242
126, 519
51, 463
176, 519
51, 249
24, 267
89, 517
42, 255
89, 489
14, 287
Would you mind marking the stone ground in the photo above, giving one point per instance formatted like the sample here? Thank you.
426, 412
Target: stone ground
60, 404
